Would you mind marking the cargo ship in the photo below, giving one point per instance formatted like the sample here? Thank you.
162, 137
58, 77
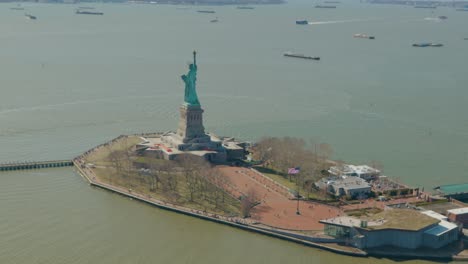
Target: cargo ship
206, 11
302, 22
422, 45
300, 56
81, 12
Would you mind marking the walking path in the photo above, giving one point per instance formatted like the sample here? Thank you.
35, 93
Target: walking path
276, 209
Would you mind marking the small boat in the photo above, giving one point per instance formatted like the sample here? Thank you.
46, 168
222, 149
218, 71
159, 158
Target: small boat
30, 16
442, 17
363, 36
300, 56
81, 12
214, 20
427, 44
206, 11
325, 6
245, 7
302, 22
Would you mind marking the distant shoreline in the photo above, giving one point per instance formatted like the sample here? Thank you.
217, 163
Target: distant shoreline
170, 2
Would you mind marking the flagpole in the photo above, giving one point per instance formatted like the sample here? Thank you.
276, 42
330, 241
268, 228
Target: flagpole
296, 171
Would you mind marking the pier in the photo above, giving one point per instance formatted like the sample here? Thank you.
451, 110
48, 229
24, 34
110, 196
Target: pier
35, 165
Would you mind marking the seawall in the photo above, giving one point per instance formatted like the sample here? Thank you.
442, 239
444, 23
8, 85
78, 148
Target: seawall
215, 219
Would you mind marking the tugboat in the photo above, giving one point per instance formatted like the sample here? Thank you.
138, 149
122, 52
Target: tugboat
81, 12
302, 22
300, 56
30, 17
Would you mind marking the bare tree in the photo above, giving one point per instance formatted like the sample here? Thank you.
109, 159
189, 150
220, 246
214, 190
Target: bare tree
192, 167
249, 200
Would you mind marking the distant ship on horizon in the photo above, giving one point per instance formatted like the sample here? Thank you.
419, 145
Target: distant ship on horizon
30, 16
81, 12
300, 56
427, 44
245, 7
325, 6
206, 11
425, 6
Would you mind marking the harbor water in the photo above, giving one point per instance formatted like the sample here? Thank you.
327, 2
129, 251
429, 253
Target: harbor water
70, 82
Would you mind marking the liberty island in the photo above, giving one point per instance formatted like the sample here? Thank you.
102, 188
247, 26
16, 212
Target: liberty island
187, 172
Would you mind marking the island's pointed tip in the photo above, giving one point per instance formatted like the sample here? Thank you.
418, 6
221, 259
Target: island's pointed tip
194, 57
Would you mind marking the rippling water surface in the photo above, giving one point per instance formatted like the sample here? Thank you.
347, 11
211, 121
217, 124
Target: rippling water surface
70, 82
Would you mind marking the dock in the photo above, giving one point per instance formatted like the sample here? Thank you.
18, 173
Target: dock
31, 165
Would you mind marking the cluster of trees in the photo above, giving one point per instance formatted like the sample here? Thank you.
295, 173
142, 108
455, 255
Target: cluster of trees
280, 154
188, 178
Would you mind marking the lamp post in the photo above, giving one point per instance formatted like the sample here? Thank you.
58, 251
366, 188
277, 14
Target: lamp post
297, 193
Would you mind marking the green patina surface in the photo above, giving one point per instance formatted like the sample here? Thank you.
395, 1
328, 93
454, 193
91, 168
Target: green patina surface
454, 188
190, 79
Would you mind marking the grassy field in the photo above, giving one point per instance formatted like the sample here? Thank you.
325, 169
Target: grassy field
292, 186
181, 196
131, 179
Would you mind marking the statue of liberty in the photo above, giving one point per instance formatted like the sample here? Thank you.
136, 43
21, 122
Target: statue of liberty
190, 79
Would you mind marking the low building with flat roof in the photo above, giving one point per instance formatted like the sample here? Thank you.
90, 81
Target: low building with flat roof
459, 215
351, 186
362, 171
393, 227
457, 191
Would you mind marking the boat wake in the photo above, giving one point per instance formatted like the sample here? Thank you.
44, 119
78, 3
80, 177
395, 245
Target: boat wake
339, 21
436, 19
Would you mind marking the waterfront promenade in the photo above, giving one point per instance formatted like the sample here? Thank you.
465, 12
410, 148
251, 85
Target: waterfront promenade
237, 222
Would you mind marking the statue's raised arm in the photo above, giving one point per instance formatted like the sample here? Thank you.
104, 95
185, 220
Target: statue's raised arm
190, 79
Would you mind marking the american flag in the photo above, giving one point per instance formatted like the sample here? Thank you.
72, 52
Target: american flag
294, 170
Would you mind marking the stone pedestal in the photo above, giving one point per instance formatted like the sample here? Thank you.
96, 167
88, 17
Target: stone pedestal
191, 128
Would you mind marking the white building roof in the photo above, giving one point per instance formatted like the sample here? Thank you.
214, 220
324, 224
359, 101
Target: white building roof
459, 211
343, 221
434, 215
442, 228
